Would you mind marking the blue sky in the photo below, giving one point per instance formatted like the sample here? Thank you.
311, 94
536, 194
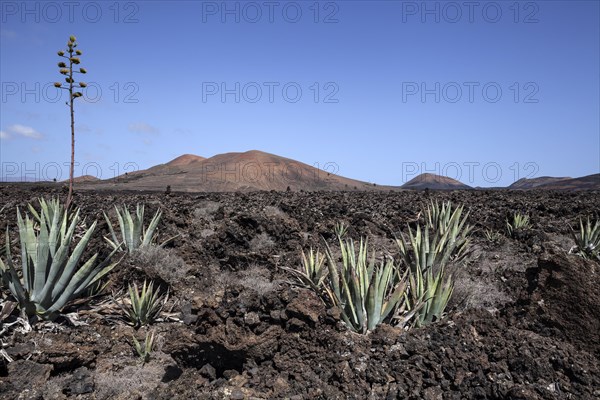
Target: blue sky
377, 90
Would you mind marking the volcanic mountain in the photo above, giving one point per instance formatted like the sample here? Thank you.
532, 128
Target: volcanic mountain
83, 179
256, 170
589, 182
432, 181
525, 183
185, 159
248, 171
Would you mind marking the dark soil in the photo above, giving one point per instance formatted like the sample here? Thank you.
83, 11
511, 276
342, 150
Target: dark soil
524, 322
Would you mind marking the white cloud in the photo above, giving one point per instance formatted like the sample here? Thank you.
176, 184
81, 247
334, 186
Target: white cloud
21, 130
142, 127
4, 135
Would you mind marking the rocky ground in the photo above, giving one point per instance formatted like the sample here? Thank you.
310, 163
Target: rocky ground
524, 321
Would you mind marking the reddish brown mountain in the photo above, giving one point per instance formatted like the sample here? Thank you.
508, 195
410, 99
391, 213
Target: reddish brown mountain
432, 181
589, 182
84, 179
257, 170
525, 183
185, 159
248, 171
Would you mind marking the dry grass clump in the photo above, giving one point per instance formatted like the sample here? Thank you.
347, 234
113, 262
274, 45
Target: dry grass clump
274, 212
206, 210
476, 293
165, 263
262, 242
257, 278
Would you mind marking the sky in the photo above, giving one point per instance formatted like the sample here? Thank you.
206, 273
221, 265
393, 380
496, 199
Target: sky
486, 92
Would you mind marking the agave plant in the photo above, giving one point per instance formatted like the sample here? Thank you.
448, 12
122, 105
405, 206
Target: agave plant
424, 251
442, 220
587, 242
133, 233
429, 294
145, 306
144, 351
520, 223
340, 229
51, 276
47, 209
312, 273
492, 236
367, 293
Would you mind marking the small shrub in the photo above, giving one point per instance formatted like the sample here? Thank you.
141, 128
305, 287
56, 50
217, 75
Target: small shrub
206, 209
165, 263
256, 278
274, 212
261, 243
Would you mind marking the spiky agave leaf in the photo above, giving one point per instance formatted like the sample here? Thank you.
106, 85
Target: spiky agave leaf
11, 278
148, 235
51, 277
312, 272
442, 219
587, 242
422, 252
341, 229
367, 293
133, 232
429, 294
145, 350
520, 222
145, 306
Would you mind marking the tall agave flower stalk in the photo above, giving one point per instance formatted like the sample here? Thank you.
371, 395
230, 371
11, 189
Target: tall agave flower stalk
51, 273
71, 54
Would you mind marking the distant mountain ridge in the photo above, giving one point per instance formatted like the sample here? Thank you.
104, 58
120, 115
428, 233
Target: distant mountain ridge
589, 182
257, 170
531, 183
